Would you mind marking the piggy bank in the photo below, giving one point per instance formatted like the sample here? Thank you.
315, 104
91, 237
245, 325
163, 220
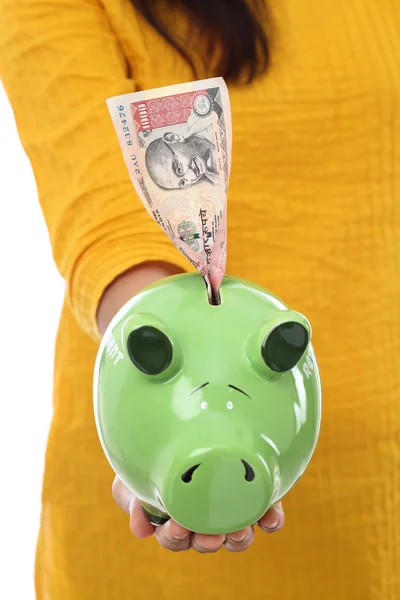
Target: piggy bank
209, 414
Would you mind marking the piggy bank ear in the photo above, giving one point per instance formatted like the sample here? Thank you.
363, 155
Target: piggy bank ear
283, 347
150, 346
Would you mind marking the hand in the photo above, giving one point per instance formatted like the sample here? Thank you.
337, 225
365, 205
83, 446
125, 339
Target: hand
177, 539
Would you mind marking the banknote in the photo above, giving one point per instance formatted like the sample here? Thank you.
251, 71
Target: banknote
177, 145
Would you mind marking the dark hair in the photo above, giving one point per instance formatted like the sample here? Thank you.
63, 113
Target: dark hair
234, 41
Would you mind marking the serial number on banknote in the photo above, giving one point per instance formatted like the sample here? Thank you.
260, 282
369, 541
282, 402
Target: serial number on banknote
125, 127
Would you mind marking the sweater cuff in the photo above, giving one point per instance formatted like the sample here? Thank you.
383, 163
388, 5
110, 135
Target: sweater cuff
107, 258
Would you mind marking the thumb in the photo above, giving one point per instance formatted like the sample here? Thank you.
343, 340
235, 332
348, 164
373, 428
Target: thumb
140, 526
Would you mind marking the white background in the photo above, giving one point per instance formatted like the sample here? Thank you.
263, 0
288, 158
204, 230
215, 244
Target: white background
31, 292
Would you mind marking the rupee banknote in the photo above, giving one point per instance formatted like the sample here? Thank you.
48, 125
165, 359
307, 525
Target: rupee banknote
177, 145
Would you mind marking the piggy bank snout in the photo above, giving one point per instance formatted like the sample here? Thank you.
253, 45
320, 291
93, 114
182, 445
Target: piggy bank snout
219, 491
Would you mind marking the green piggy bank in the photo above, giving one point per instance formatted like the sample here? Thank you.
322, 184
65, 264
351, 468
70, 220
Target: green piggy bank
209, 414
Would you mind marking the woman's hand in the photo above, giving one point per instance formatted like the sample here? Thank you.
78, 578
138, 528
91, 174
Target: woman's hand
176, 538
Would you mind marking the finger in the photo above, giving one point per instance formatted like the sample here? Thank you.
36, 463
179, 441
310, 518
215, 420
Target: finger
173, 537
240, 540
273, 520
139, 525
206, 544
122, 496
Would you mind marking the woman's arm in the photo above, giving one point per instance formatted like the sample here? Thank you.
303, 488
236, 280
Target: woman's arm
59, 61
127, 285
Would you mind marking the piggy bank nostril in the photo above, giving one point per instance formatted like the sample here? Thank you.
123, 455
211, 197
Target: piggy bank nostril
249, 471
187, 476
249, 475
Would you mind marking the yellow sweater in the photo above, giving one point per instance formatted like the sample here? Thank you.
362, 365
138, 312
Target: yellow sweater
313, 215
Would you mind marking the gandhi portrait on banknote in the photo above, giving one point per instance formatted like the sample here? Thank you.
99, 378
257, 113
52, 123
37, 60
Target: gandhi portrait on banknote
174, 161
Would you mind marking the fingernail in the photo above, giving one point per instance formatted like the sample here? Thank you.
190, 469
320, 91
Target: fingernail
180, 537
131, 504
272, 525
198, 548
238, 537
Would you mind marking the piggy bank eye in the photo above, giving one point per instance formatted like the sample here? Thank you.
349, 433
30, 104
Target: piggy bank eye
150, 350
283, 347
